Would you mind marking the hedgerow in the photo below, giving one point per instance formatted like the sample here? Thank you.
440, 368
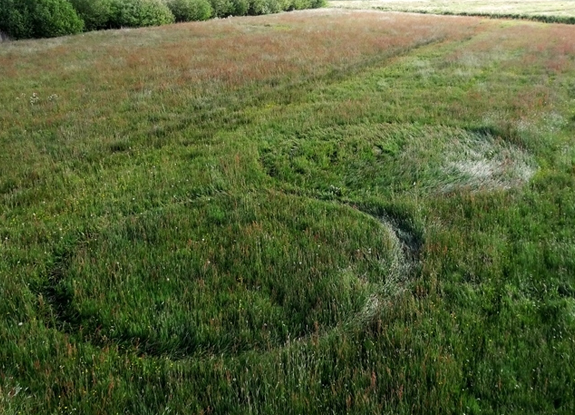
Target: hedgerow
21, 19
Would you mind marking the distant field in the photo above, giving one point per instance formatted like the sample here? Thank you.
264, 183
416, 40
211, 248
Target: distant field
318, 212
563, 9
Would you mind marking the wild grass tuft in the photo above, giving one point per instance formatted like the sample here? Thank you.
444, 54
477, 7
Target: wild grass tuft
337, 212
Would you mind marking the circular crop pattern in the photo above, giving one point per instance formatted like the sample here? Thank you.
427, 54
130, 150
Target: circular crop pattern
389, 159
225, 274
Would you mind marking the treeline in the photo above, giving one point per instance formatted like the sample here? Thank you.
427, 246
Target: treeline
24, 19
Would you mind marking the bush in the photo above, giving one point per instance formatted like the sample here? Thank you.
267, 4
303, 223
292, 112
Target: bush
222, 8
95, 13
15, 20
140, 13
258, 7
53, 18
285, 4
300, 4
21, 19
190, 10
307, 4
241, 7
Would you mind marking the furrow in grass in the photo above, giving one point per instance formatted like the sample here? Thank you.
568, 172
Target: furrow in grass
177, 282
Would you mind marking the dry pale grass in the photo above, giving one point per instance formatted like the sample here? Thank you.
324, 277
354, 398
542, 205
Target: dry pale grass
487, 164
524, 7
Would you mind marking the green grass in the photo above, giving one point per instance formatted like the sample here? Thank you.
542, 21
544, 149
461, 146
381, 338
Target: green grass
337, 212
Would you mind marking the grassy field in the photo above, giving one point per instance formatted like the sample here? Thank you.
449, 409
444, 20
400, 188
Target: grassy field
552, 10
330, 211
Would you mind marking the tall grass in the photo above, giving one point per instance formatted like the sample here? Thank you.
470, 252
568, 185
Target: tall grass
339, 212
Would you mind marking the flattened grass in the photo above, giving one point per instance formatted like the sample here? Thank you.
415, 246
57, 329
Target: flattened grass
299, 222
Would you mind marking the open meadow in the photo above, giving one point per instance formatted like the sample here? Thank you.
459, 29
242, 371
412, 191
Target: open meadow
316, 212
562, 11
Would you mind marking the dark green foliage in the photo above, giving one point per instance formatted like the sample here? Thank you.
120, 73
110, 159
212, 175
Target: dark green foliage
223, 8
308, 4
95, 13
258, 7
300, 4
241, 7
21, 19
52, 18
15, 19
140, 13
190, 10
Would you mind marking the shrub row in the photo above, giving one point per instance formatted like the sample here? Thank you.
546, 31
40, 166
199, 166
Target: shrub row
21, 19
108, 14
223, 8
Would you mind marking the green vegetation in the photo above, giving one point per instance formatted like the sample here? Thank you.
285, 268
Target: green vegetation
38, 18
190, 10
140, 13
25, 19
338, 212
97, 14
